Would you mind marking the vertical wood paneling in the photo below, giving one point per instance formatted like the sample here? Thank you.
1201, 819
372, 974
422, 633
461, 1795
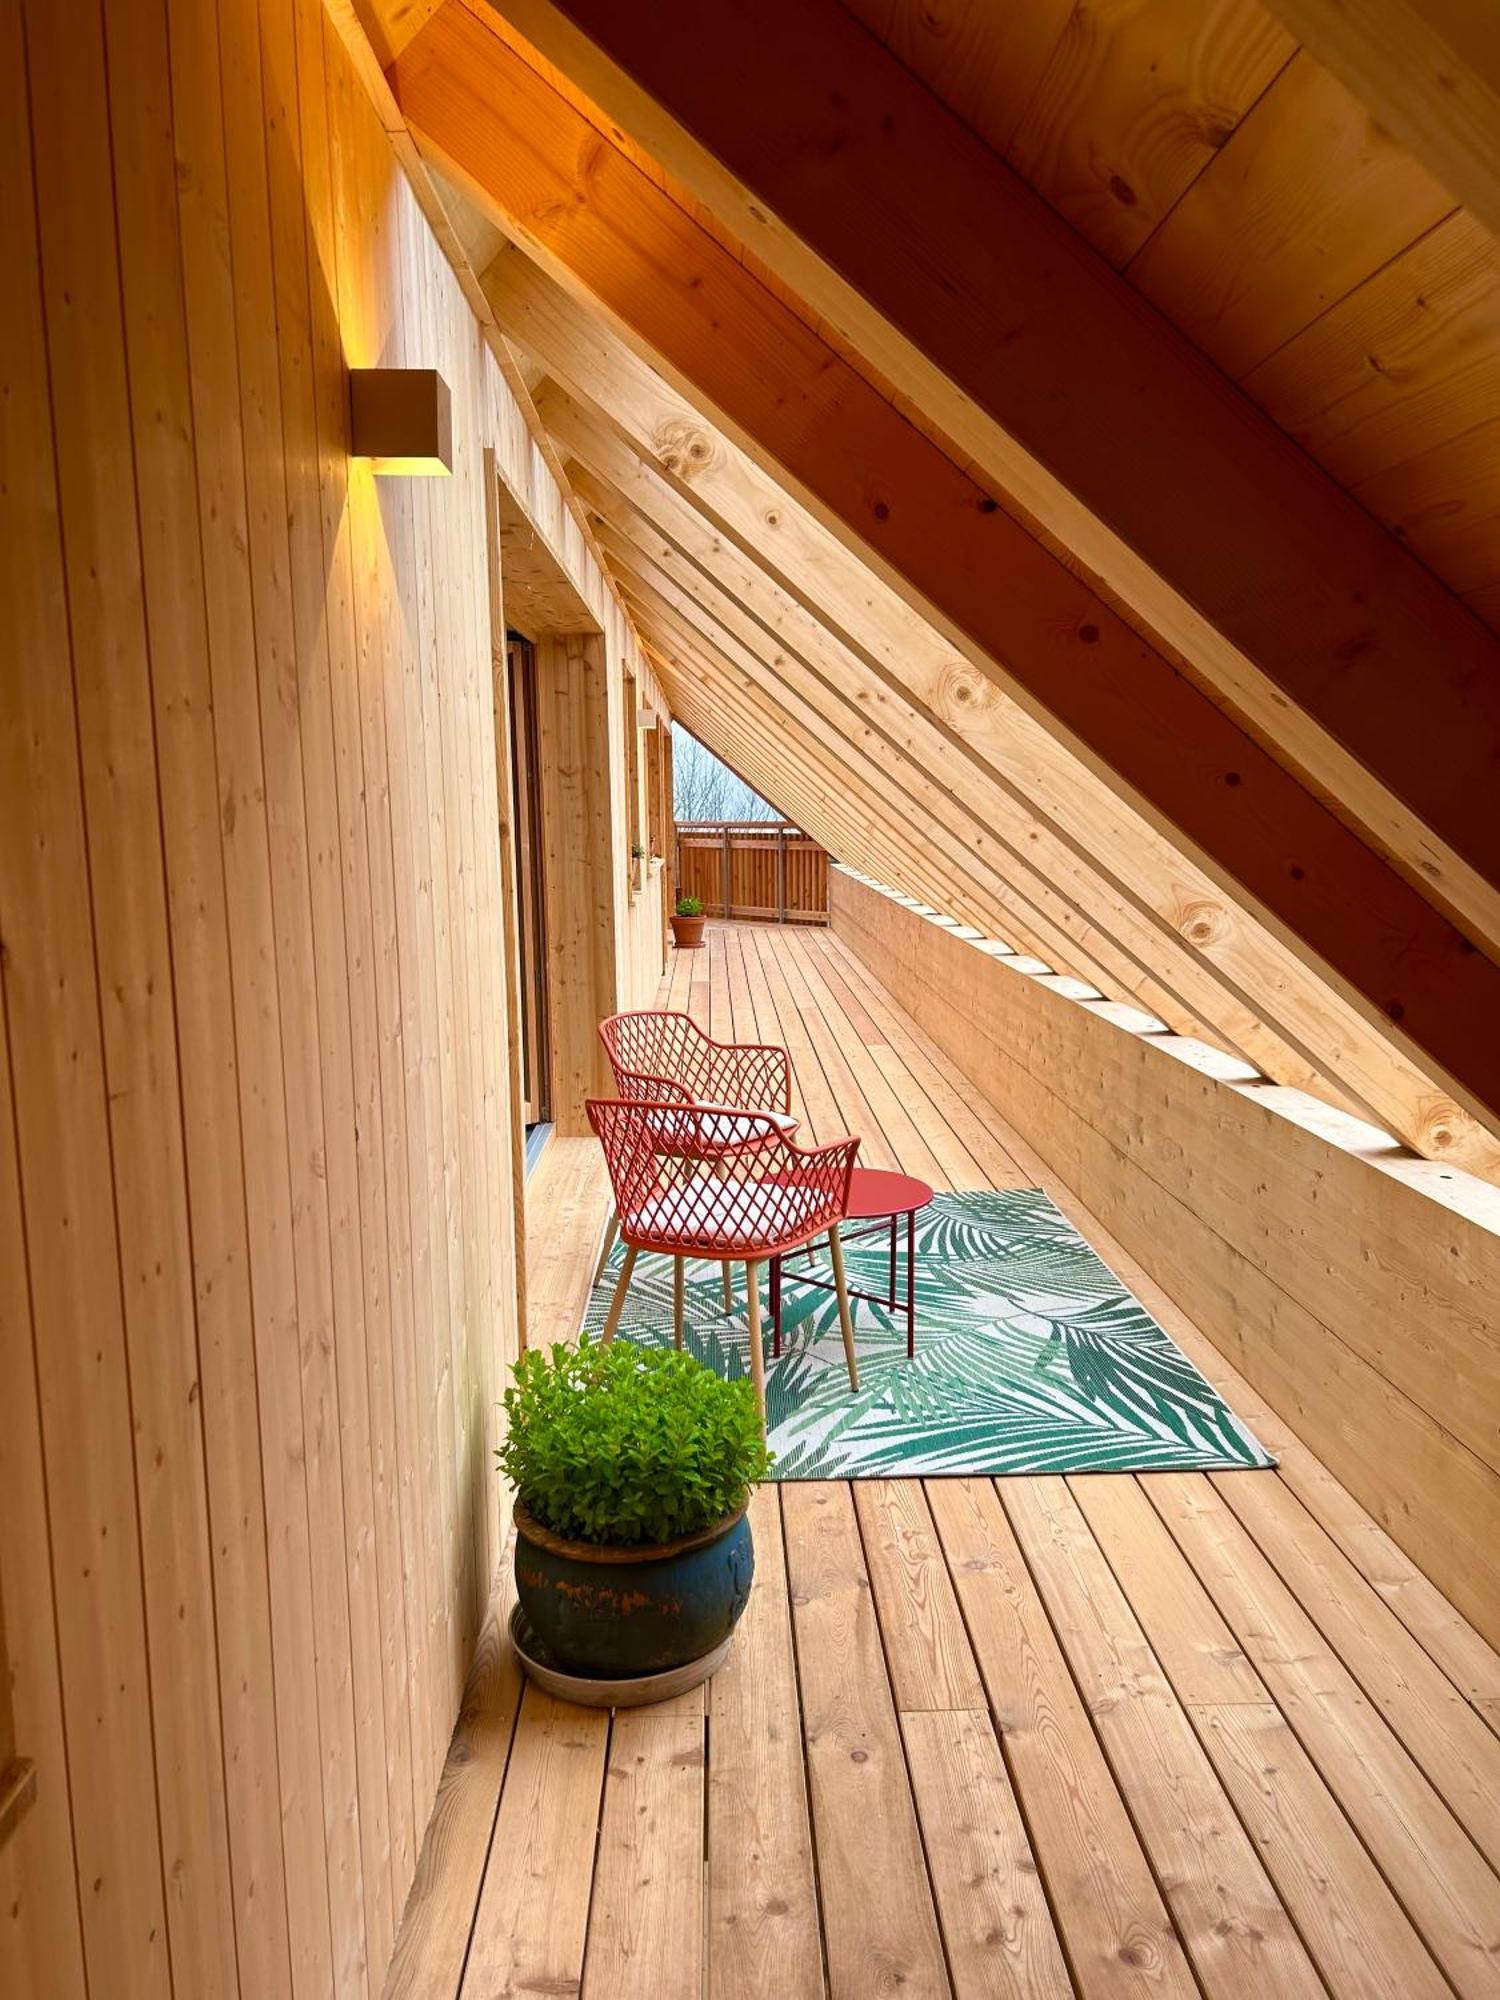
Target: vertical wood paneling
298, 177
60, 742
252, 125
258, 1205
214, 171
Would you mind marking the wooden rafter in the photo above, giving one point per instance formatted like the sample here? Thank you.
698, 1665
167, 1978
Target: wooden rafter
985, 833
909, 799
956, 284
609, 229
1147, 956
677, 470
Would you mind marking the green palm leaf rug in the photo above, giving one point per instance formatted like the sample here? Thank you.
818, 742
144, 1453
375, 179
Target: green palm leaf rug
1031, 1357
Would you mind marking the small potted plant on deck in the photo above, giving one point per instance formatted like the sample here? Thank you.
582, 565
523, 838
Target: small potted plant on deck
632, 1468
687, 923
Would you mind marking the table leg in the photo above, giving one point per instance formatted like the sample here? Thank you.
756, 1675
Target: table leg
893, 1263
911, 1283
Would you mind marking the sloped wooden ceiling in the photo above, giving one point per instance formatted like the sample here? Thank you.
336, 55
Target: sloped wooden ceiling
962, 552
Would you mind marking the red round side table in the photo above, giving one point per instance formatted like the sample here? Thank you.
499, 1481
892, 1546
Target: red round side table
881, 1199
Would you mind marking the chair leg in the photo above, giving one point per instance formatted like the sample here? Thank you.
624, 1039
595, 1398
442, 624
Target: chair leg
617, 1303
757, 1352
611, 1238
846, 1322
677, 1300
721, 1172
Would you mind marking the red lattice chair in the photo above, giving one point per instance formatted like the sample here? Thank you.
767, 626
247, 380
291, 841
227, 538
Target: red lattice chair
765, 1199
663, 1057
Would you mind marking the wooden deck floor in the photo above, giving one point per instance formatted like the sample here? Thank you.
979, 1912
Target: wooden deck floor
1151, 1736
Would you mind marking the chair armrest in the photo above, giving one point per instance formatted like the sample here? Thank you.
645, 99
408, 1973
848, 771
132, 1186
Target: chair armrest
643, 1089
826, 1170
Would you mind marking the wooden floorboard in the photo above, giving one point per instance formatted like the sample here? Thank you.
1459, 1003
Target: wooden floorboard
1116, 1735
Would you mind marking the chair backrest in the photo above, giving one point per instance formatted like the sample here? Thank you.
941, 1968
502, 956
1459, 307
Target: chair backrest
649, 1148
631, 1146
658, 1054
652, 1046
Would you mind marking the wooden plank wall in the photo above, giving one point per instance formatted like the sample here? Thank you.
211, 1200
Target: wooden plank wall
257, 1219
1347, 1286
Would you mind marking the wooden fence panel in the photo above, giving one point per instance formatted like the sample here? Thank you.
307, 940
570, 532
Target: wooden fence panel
763, 869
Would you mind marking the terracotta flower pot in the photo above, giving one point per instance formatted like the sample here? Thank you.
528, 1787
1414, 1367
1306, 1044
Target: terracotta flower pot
687, 932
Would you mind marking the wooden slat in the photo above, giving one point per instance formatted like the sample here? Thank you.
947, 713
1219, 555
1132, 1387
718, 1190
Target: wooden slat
997, 1928
1118, 1936
65, 1055
645, 1935
434, 1935
533, 1908
1354, 1927
1231, 1921
762, 1934
927, 1652
311, 417
385, 1198
266, 512
1449, 1891
42, 1938
863, 1820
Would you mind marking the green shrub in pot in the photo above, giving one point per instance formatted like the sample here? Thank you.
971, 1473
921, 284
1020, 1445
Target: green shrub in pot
632, 1468
687, 922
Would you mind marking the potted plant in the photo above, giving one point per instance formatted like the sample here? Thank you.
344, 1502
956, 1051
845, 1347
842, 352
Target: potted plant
687, 923
632, 1469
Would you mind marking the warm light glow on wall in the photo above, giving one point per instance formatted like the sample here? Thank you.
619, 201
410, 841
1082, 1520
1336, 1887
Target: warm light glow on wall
400, 419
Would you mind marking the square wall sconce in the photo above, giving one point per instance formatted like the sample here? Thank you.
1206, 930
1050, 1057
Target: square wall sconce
401, 420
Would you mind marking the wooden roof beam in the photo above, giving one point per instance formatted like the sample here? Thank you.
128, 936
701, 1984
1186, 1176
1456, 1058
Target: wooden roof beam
957, 284
1003, 849
677, 470
607, 227
1013, 896
1147, 953
786, 757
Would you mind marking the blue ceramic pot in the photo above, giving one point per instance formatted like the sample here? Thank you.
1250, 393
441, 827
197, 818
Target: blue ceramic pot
619, 1611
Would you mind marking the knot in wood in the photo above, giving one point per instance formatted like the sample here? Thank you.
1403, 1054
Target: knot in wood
963, 692
1203, 923
682, 447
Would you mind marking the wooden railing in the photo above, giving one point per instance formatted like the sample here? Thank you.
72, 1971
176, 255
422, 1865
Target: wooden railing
753, 868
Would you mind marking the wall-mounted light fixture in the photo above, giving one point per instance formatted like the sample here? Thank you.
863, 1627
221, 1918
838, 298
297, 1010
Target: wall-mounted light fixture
401, 420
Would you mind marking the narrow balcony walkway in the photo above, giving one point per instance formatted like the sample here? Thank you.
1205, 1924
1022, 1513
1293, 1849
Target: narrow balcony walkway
1111, 1735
